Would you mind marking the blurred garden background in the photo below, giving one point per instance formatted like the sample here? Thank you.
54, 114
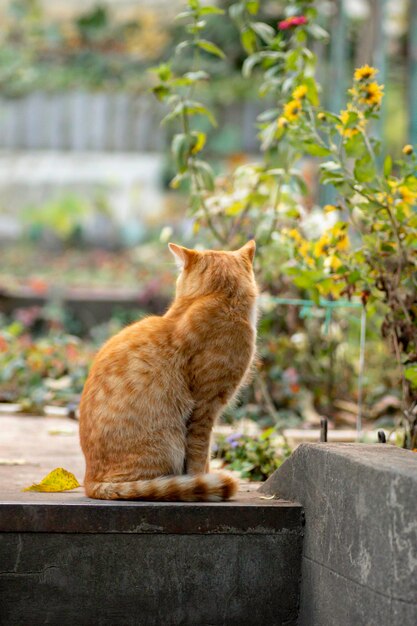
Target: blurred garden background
269, 132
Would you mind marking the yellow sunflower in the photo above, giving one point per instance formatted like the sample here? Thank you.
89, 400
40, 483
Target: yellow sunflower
321, 246
292, 110
300, 92
372, 94
294, 234
407, 196
364, 72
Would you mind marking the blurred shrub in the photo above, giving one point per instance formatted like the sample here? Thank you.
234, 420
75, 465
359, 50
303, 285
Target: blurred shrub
255, 458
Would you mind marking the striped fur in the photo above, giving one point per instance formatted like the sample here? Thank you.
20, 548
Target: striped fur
156, 388
205, 488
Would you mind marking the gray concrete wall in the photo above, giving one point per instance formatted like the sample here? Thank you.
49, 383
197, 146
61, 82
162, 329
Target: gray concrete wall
66, 560
360, 547
149, 580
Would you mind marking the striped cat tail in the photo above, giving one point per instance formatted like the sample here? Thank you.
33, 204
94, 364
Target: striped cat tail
184, 488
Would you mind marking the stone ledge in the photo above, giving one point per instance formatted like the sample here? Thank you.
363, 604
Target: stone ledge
359, 551
73, 513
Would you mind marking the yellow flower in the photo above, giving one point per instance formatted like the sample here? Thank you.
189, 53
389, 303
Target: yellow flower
372, 94
342, 243
300, 92
393, 184
292, 110
304, 248
408, 149
384, 198
335, 262
328, 208
408, 196
364, 72
282, 122
321, 246
294, 234
350, 131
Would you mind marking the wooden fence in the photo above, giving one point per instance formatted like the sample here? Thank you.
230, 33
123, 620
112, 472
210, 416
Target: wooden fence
85, 121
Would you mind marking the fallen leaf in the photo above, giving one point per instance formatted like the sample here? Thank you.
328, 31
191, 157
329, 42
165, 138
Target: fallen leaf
57, 480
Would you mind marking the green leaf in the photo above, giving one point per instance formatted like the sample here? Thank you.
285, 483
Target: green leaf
315, 149
387, 165
161, 92
330, 166
210, 47
236, 12
355, 146
163, 71
196, 108
252, 6
292, 60
184, 14
268, 115
178, 179
264, 31
364, 169
181, 148
205, 174
312, 90
196, 76
410, 373
248, 39
411, 183
318, 32
182, 46
211, 11
249, 63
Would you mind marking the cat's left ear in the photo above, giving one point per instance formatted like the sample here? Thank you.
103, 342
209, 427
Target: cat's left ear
248, 250
182, 256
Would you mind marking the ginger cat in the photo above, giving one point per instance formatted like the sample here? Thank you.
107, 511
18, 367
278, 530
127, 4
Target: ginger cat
156, 388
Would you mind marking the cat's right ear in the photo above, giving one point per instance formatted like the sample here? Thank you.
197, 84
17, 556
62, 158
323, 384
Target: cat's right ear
182, 255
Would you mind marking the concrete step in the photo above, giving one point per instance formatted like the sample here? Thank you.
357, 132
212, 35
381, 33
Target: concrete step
70, 560
66, 560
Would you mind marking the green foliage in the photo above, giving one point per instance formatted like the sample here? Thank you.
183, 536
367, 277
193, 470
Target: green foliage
35, 372
371, 251
63, 216
255, 458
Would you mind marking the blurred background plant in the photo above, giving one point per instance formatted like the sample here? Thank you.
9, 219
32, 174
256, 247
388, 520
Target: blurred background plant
324, 179
375, 203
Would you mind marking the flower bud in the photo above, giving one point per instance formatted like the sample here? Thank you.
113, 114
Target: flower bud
408, 149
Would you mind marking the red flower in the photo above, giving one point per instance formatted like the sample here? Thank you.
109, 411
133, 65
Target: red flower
291, 22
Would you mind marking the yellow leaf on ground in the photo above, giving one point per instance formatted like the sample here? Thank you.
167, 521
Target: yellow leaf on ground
57, 480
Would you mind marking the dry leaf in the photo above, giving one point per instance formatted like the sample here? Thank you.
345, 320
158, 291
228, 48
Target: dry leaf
57, 480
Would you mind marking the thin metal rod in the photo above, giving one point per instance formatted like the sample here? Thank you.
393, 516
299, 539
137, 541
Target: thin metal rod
323, 429
361, 374
382, 437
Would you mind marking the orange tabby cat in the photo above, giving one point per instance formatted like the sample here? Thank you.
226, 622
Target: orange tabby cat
156, 388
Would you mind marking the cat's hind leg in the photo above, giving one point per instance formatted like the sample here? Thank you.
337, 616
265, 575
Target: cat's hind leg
197, 450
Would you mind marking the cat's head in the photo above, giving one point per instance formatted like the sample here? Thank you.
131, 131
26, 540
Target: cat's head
210, 271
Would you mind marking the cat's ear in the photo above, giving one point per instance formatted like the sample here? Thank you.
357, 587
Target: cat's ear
248, 250
182, 255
